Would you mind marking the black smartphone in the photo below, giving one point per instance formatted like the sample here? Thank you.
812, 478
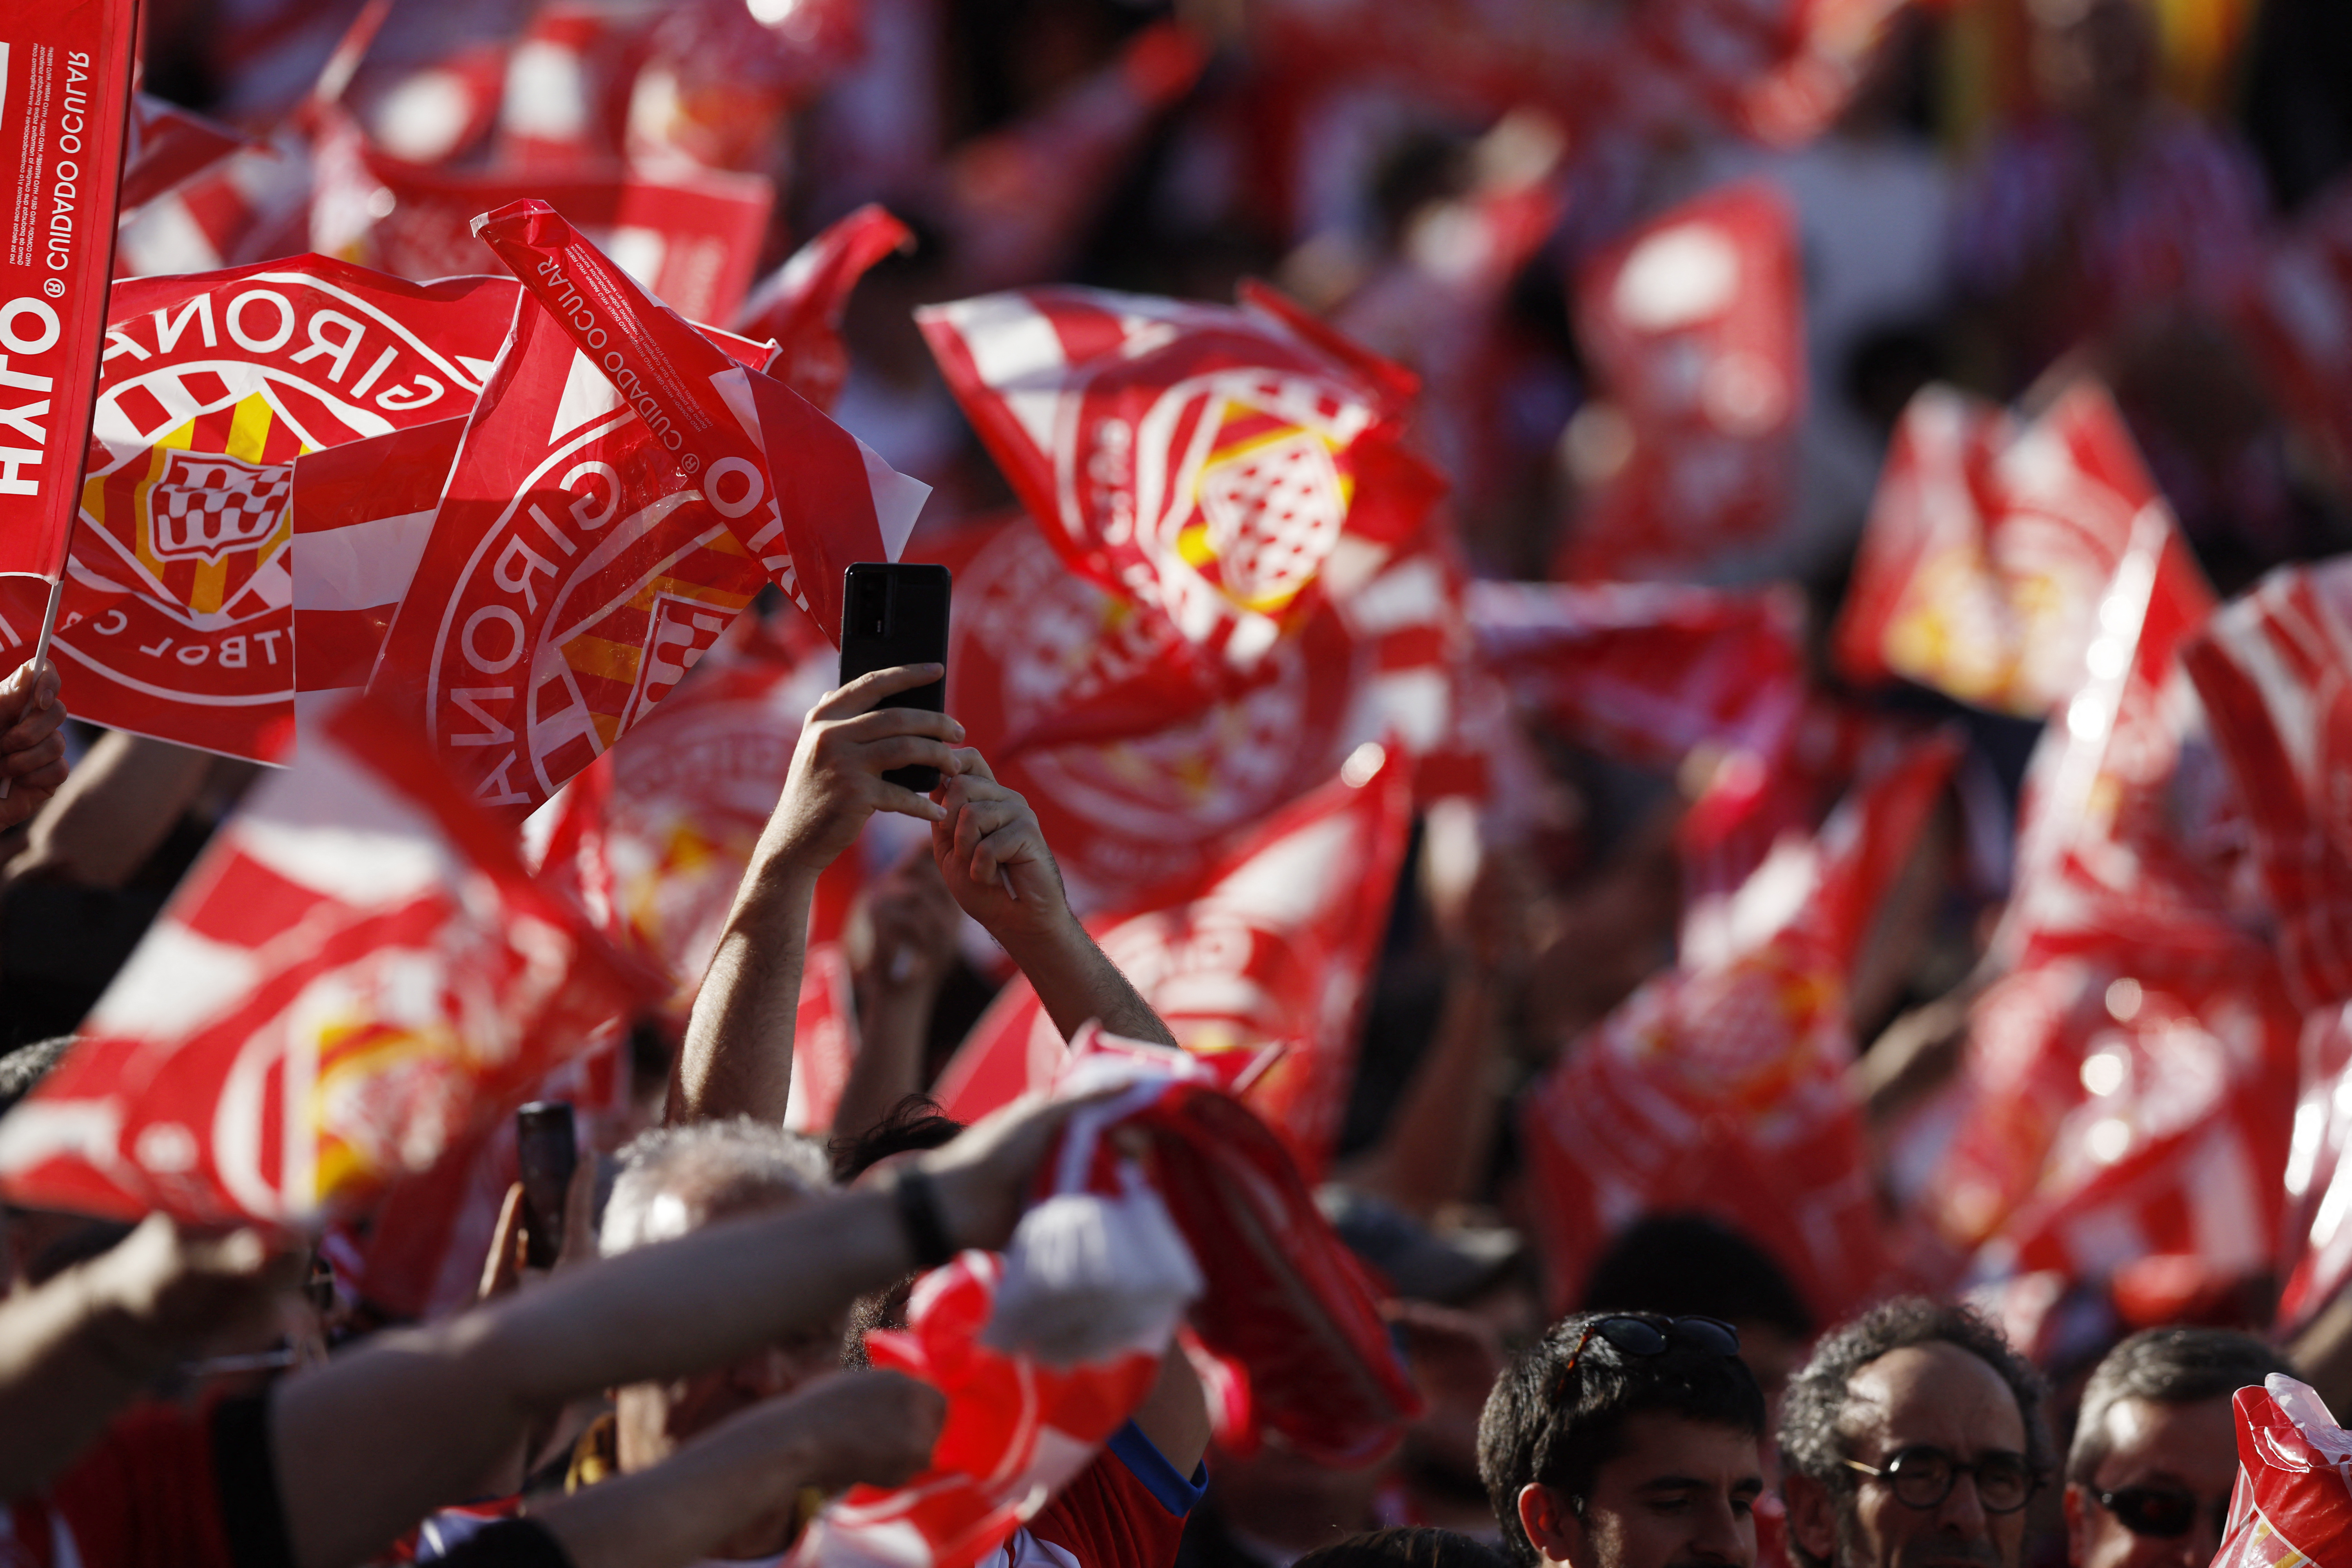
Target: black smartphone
547, 1148
896, 612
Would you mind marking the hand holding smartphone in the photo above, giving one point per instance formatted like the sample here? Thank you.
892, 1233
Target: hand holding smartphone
896, 614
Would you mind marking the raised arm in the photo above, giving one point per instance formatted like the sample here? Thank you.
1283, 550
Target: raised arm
451, 1398
992, 853
738, 1055
901, 942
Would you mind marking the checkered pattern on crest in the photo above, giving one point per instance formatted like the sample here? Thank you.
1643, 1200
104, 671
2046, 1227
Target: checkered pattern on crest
204, 506
1274, 513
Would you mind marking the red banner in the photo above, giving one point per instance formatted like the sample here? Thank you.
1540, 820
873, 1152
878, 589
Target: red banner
357, 974
1274, 945
65, 86
178, 613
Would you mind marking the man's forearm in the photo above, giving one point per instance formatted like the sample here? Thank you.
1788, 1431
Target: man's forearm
1076, 980
451, 1398
737, 1059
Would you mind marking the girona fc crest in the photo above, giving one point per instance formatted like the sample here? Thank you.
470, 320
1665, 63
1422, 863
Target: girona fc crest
202, 507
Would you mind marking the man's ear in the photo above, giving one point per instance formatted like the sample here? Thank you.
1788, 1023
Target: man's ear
1812, 1516
1552, 1527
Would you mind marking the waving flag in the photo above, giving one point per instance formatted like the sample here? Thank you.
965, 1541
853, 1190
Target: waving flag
2272, 669
357, 974
800, 304
1210, 462
64, 81
1694, 326
1991, 546
178, 615
1722, 1085
569, 580
805, 498
1273, 945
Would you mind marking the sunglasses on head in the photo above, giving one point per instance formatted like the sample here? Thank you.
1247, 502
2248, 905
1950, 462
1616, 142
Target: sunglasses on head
2168, 1513
1631, 1336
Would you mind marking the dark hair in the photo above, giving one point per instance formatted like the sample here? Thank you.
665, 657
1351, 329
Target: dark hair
1417, 1546
915, 1122
1691, 1264
22, 1070
1813, 1443
1539, 1426
2167, 1366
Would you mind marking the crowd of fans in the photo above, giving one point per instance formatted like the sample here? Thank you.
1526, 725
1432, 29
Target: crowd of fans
2018, 192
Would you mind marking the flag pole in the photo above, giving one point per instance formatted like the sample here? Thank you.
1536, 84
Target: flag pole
41, 649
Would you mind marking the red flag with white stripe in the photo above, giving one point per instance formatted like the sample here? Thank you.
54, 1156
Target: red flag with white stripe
357, 974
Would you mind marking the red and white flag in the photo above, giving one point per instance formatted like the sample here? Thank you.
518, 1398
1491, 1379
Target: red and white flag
569, 579
357, 974
799, 305
804, 497
178, 613
1723, 1085
1272, 945
2274, 669
65, 87
167, 144
1214, 463
1695, 327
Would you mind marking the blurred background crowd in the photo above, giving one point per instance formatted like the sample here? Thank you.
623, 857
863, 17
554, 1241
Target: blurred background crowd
1673, 276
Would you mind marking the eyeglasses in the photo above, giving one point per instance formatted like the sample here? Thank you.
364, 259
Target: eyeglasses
1924, 1477
2167, 1513
1648, 1337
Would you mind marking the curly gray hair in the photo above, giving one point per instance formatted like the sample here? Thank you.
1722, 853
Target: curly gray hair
675, 1179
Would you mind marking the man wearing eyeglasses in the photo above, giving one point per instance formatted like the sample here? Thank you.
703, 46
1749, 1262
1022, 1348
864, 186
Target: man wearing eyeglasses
1626, 1440
2156, 1448
1913, 1439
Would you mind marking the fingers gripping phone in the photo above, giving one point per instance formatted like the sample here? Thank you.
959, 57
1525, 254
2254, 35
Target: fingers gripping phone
892, 614
547, 1149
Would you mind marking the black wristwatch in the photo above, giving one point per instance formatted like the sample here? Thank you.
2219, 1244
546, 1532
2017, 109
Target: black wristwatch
917, 1200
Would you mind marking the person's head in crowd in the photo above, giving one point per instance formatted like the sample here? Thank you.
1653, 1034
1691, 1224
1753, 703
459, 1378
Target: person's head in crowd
1414, 1546
1914, 1438
1626, 1440
2155, 1447
1689, 1265
2098, 60
674, 1181
911, 1127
